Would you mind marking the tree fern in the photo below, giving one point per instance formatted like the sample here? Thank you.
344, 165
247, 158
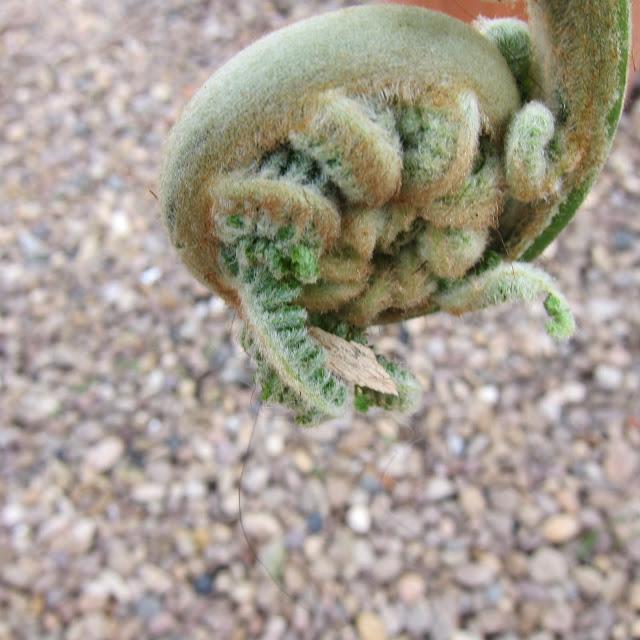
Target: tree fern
383, 162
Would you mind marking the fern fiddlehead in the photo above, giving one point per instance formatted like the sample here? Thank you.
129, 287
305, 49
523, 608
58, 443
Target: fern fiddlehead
382, 162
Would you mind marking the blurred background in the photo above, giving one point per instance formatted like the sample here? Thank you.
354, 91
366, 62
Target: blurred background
507, 508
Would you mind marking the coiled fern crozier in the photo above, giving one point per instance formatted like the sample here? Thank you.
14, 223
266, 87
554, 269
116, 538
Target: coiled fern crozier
383, 162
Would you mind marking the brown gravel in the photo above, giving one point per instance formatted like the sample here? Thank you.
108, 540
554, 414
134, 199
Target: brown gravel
507, 508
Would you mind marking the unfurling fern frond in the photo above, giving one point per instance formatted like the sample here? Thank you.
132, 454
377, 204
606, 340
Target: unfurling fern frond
511, 283
384, 162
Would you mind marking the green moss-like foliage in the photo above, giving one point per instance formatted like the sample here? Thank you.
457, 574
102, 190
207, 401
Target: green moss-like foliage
383, 162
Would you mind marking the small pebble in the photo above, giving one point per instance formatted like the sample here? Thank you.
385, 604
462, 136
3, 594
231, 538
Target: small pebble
148, 492
148, 606
155, 579
314, 522
589, 581
411, 587
472, 501
370, 483
473, 576
559, 618
303, 461
256, 480
162, 624
12, 514
489, 395
465, 635
79, 538
622, 463
548, 565
419, 619
203, 584
261, 525
359, 518
370, 627
387, 568
105, 454
338, 491
560, 528
440, 489
608, 378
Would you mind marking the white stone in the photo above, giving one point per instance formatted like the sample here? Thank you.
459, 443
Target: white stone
489, 394
150, 276
261, 525
120, 223
12, 514
148, 492
155, 579
81, 535
313, 546
455, 444
440, 489
161, 91
608, 378
359, 518
464, 635
398, 462
274, 445
256, 479
105, 454
411, 587
109, 584
243, 592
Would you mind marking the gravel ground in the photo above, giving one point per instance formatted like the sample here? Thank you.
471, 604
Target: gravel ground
507, 508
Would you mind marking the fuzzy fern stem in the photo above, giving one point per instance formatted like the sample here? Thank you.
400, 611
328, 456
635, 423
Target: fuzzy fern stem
510, 283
